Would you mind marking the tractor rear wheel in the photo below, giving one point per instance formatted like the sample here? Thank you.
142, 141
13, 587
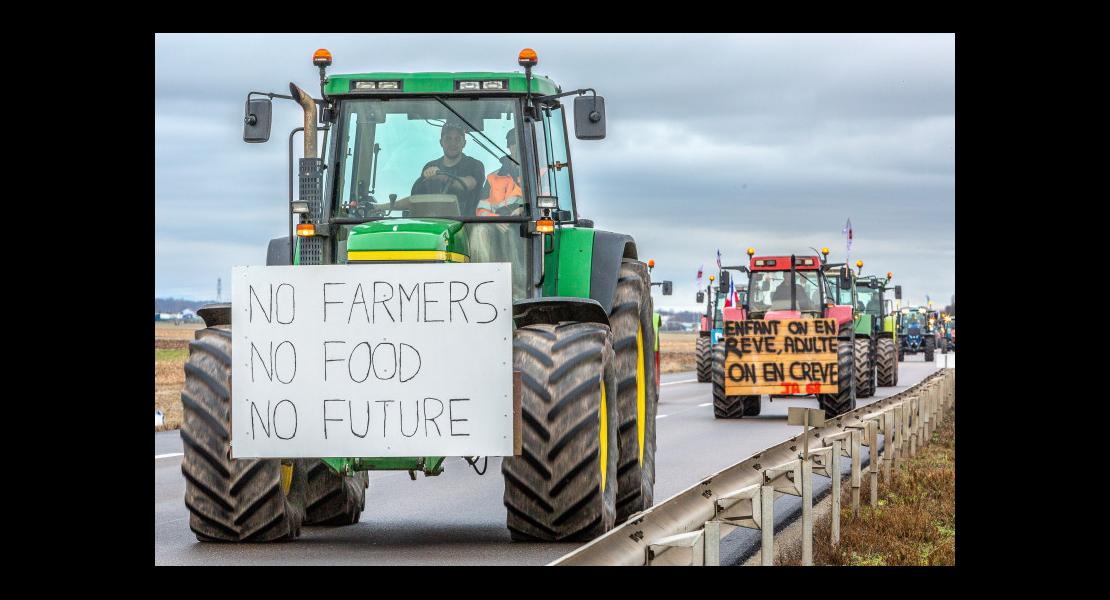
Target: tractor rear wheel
637, 395
901, 351
728, 407
332, 498
563, 486
704, 356
863, 368
887, 365
241, 500
930, 346
844, 400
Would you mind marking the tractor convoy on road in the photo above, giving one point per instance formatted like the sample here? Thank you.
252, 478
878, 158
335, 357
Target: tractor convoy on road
584, 347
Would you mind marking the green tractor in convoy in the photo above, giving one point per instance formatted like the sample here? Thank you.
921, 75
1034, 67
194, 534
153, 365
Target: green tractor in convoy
876, 323
581, 297
712, 323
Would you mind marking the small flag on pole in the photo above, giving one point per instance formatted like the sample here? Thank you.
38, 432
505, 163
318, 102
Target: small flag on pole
731, 300
700, 270
848, 232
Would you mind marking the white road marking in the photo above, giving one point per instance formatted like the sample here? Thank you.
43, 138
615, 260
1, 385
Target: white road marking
170, 455
677, 382
657, 417
706, 404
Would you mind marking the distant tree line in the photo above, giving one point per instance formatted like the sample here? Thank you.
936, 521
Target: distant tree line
176, 305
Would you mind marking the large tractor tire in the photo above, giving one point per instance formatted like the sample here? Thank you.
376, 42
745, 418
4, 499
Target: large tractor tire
930, 347
886, 367
901, 350
729, 407
637, 395
331, 498
563, 486
704, 355
844, 400
865, 368
241, 500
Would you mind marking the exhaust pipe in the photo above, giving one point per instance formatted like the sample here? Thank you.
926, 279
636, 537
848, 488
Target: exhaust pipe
309, 107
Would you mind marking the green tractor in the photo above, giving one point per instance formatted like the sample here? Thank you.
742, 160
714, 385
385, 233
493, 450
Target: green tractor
581, 297
876, 323
712, 323
796, 287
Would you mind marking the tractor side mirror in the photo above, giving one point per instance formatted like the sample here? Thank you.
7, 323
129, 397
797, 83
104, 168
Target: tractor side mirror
723, 280
701, 297
256, 120
668, 287
589, 117
898, 292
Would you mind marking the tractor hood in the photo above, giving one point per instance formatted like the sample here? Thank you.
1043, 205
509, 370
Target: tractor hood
405, 240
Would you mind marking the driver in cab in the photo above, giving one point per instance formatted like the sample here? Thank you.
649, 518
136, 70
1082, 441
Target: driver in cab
454, 172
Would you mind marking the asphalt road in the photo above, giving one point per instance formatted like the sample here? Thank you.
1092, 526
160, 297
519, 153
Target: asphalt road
458, 517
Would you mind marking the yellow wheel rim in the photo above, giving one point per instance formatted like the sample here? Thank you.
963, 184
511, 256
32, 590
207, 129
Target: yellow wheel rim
641, 404
604, 437
286, 477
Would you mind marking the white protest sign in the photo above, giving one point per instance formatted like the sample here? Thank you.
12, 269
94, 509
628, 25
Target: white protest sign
372, 360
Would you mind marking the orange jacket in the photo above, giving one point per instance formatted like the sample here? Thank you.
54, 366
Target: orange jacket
501, 188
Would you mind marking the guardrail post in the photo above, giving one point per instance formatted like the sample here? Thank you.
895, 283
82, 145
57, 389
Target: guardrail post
856, 434
834, 467
889, 447
926, 421
914, 422
899, 437
873, 466
767, 525
712, 541
807, 513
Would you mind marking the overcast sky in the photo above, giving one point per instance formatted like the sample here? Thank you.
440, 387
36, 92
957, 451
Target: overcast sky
713, 142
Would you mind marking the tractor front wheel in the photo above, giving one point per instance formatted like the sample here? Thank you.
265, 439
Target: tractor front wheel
332, 498
844, 400
704, 356
729, 407
241, 500
886, 366
930, 347
865, 369
637, 393
563, 486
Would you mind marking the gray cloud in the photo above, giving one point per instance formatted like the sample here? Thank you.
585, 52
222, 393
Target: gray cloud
715, 141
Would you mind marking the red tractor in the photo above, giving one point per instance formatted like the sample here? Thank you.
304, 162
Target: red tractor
793, 287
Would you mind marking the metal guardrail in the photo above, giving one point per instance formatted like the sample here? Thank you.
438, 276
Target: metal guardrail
686, 529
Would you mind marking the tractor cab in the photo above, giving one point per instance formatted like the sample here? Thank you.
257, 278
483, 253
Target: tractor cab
466, 166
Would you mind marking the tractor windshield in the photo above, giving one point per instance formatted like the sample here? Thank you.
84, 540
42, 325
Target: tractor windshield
868, 300
423, 157
770, 290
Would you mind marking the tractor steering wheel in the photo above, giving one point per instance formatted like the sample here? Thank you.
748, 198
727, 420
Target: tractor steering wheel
447, 184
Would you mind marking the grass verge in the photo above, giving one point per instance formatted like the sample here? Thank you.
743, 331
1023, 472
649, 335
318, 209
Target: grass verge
171, 349
914, 523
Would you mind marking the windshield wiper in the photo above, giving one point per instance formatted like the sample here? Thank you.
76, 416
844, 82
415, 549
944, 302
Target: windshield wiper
473, 129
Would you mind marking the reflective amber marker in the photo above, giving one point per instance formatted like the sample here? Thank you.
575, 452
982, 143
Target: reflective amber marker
306, 229
545, 226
